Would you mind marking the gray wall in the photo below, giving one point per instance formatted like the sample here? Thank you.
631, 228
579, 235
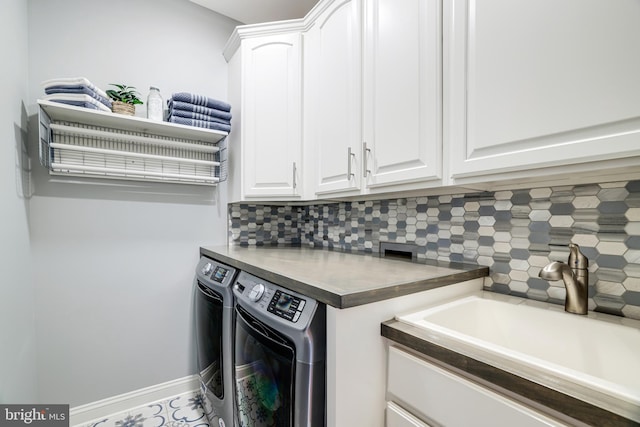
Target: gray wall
115, 259
17, 324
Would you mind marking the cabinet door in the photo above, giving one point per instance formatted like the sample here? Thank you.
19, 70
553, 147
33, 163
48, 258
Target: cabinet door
336, 96
402, 96
545, 83
272, 124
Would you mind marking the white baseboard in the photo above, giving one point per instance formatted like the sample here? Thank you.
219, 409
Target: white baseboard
123, 402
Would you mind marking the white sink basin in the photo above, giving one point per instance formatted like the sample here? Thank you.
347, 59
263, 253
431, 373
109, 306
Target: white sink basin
595, 358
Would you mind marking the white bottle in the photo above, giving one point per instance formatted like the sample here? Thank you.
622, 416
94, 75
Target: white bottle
154, 104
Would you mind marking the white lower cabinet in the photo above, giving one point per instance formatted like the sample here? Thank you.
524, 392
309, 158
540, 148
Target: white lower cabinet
398, 417
440, 397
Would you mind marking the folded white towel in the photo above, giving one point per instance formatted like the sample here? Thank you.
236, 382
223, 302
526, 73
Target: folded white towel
73, 81
77, 97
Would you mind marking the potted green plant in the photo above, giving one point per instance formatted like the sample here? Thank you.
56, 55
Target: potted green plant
124, 99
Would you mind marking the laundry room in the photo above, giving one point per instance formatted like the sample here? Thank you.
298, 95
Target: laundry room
103, 302
264, 250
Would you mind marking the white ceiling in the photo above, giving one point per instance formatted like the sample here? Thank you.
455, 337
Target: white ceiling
256, 11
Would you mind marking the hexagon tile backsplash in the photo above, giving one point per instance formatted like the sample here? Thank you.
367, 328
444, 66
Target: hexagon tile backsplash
515, 233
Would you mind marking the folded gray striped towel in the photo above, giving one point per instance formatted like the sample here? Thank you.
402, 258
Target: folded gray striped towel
77, 104
77, 89
200, 123
201, 100
74, 81
192, 115
73, 98
200, 109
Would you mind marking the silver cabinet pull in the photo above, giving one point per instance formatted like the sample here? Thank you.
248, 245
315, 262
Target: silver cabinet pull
295, 184
349, 155
365, 152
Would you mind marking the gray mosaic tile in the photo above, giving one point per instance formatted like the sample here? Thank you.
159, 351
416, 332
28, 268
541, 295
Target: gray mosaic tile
631, 297
540, 193
522, 254
612, 223
537, 283
560, 236
521, 197
561, 209
586, 190
633, 186
609, 288
612, 207
538, 294
613, 194
515, 233
609, 304
540, 237
562, 195
499, 287
586, 202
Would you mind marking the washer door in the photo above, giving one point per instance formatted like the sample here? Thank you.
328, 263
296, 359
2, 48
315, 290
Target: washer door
209, 311
265, 363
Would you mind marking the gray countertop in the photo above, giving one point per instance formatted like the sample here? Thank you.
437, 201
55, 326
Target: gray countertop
342, 279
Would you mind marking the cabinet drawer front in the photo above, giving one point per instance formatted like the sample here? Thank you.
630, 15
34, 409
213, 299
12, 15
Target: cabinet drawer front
448, 399
398, 417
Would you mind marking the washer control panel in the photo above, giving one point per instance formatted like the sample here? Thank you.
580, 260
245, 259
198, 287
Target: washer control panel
219, 274
272, 300
215, 273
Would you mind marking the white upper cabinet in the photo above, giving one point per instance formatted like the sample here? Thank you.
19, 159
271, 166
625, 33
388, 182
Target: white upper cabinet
266, 153
395, 95
402, 92
375, 95
532, 84
333, 60
272, 107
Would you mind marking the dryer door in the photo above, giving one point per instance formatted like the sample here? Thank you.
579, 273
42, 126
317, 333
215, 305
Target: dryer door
209, 311
265, 363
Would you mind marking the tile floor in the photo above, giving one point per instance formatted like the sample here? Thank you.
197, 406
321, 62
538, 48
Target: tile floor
184, 410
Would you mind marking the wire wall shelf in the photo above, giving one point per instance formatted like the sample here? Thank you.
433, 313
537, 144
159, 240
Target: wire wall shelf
77, 141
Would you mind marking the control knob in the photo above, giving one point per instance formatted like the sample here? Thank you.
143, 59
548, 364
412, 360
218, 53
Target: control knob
207, 269
256, 292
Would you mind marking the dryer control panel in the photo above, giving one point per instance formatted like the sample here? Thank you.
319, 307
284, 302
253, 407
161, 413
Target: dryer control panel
286, 305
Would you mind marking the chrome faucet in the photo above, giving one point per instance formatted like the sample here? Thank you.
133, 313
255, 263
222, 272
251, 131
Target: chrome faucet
575, 275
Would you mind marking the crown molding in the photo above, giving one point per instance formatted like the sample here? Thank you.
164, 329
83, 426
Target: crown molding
273, 28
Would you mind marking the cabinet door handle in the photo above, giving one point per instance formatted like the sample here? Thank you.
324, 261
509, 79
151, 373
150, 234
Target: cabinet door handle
365, 152
295, 184
349, 155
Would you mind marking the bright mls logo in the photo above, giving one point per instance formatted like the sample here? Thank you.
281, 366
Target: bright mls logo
34, 415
